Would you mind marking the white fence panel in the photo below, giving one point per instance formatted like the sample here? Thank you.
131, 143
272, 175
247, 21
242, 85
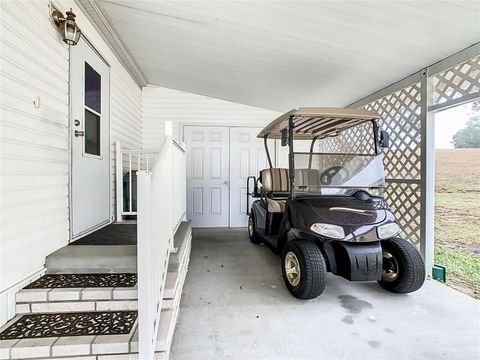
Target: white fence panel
161, 208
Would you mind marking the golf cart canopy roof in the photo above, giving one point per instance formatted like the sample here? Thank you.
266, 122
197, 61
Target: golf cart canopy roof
310, 122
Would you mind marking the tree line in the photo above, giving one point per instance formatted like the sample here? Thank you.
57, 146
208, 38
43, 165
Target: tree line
469, 136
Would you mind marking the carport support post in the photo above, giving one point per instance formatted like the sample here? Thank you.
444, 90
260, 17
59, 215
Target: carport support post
427, 119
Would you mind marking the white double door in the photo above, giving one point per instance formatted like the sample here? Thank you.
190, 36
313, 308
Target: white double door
219, 161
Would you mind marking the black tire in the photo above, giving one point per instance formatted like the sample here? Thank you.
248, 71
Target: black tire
252, 232
313, 270
404, 273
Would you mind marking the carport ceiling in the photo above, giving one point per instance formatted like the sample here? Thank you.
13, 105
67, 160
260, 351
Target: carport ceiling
281, 55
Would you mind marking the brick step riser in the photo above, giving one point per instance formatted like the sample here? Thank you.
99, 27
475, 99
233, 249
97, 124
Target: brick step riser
75, 306
79, 306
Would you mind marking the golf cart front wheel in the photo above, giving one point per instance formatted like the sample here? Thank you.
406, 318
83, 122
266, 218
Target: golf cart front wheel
304, 269
252, 233
403, 267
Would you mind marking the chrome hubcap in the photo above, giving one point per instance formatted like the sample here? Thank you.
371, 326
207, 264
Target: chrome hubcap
390, 267
292, 268
250, 227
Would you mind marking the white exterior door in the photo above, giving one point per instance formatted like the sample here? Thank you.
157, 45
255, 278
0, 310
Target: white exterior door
90, 127
247, 158
207, 175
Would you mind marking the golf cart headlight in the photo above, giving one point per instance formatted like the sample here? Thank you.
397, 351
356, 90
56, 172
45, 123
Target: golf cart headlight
388, 230
328, 230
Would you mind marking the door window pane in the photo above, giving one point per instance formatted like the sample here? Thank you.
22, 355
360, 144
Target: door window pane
93, 98
92, 133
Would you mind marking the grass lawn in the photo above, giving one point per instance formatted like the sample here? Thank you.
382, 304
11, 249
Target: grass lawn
457, 217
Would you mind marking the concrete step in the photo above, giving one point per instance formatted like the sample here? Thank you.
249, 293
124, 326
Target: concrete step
77, 259
101, 347
96, 300
57, 300
181, 242
72, 259
175, 280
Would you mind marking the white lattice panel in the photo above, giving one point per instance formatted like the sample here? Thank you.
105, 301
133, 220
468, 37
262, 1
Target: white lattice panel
400, 116
404, 200
403, 113
400, 113
458, 82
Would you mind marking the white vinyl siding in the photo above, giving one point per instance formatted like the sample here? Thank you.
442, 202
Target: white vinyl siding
34, 150
161, 104
34, 145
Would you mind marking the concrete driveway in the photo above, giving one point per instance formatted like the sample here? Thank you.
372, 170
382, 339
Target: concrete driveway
236, 306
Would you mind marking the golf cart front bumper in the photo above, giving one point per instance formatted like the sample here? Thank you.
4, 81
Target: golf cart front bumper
355, 261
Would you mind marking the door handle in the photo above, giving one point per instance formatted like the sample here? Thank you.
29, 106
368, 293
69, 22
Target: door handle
226, 182
79, 133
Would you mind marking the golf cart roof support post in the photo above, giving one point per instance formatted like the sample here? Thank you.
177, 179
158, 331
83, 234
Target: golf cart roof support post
291, 161
375, 137
265, 138
311, 152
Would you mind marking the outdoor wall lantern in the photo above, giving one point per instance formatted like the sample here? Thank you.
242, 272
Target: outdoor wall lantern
67, 26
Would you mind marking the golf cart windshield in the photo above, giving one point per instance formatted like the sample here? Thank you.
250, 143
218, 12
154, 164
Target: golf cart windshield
336, 173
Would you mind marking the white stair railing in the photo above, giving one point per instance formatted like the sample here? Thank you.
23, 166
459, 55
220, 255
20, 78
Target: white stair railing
161, 208
127, 163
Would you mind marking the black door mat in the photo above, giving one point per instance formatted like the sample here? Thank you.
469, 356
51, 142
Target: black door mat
114, 234
51, 281
33, 326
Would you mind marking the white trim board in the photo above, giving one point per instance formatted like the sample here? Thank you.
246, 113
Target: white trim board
94, 13
7, 296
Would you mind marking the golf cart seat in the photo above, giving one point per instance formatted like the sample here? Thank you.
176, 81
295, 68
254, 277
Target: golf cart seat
276, 206
275, 183
307, 179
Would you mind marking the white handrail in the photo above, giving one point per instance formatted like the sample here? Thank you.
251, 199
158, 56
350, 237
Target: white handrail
161, 208
129, 162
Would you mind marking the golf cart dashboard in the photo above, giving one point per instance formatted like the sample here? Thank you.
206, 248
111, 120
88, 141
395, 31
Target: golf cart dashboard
339, 200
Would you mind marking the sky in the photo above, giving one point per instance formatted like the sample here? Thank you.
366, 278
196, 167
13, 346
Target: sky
448, 122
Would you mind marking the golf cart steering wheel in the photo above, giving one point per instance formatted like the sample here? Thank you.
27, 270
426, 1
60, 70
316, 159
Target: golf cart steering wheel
327, 176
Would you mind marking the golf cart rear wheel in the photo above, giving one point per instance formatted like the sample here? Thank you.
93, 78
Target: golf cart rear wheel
304, 269
403, 267
252, 233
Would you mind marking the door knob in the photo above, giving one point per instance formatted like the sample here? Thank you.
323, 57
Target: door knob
226, 182
79, 133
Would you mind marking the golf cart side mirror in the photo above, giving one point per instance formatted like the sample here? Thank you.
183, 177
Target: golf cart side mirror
284, 137
384, 139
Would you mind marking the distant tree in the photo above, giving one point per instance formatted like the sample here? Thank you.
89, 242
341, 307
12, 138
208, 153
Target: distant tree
468, 137
476, 106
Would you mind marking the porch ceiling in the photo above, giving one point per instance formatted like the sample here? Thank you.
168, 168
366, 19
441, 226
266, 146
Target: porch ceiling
281, 55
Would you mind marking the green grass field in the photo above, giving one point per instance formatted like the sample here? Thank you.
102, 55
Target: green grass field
457, 217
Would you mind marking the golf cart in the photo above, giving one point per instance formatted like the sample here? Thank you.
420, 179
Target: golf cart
326, 212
